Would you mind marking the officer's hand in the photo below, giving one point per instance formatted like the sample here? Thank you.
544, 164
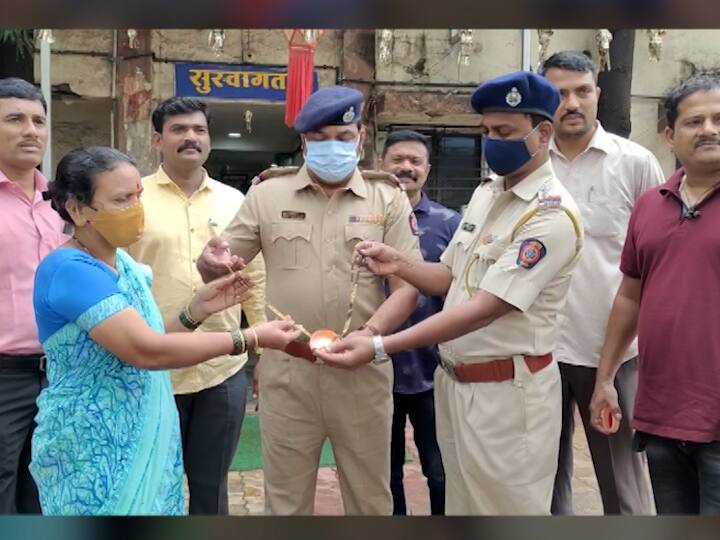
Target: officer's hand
348, 353
380, 259
605, 414
216, 260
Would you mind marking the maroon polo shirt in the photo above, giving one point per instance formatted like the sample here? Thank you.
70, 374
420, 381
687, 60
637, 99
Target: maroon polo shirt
676, 257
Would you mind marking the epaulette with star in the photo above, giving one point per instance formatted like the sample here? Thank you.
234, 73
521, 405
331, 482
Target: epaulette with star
386, 177
274, 172
548, 199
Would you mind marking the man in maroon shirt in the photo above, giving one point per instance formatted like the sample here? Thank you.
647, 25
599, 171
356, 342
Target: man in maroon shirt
670, 297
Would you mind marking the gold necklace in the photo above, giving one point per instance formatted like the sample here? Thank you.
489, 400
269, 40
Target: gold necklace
686, 199
79, 243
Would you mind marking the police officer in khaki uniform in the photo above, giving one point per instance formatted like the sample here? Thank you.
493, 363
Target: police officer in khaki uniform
506, 273
307, 225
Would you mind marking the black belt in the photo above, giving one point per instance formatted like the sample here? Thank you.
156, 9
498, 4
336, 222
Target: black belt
33, 362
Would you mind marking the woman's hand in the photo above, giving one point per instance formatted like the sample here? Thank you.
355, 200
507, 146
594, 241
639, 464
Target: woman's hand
220, 294
276, 334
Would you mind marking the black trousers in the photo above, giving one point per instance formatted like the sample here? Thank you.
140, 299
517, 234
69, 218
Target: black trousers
210, 423
621, 472
19, 388
421, 410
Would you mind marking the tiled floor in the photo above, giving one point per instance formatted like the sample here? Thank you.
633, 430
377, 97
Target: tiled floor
247, 496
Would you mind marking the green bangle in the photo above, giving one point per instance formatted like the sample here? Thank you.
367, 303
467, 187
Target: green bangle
187, 320
238, 339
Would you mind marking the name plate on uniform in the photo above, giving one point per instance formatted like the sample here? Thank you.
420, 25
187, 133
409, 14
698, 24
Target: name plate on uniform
290, 214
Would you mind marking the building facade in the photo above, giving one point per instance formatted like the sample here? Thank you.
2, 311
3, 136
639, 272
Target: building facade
106, 84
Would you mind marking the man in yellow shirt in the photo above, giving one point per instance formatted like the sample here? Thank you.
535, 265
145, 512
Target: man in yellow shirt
184, 208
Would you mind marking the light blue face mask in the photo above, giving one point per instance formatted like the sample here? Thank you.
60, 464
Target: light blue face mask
333, 161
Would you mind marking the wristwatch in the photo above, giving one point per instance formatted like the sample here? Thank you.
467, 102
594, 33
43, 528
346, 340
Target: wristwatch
380, 355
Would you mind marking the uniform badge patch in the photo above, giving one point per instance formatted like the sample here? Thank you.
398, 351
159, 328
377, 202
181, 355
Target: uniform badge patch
414, 224
289, 214
530, 253
469, 227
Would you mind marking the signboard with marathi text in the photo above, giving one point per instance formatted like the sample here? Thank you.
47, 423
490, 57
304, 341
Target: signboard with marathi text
227, 81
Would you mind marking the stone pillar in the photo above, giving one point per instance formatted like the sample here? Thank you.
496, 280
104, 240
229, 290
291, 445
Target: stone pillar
134, 104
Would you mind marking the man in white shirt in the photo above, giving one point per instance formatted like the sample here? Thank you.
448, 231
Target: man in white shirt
605, 174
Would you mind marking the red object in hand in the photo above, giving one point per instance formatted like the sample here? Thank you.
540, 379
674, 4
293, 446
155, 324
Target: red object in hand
609, 422
300, 350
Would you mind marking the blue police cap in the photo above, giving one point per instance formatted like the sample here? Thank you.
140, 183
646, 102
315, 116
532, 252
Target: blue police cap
521, 92
330, 106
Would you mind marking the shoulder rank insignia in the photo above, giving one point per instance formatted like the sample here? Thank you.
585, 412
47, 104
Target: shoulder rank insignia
547, 199
386, 177
530, 253
274, 172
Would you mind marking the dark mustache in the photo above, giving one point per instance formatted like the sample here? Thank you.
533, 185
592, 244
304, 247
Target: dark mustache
711, 140
189, 144
575, 113
406, 174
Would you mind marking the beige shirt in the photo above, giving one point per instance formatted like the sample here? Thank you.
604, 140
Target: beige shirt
307, 240
485, 254
176, 231
605, 181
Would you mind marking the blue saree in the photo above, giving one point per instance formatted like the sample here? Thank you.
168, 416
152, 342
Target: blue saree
107, 440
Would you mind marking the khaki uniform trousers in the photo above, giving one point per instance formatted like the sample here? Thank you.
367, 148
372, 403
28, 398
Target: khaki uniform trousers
499, 441
302, 404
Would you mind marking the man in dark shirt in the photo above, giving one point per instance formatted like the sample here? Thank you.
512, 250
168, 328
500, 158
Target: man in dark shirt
669, 296
406, 155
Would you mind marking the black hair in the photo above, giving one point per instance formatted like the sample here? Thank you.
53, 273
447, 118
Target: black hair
406, 135
76, 173
703, 82
537, 119
13, 87
175, 106
569, 61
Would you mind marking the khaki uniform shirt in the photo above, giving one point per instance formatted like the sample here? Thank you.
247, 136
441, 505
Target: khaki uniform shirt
307, 240
176, 231
484, 254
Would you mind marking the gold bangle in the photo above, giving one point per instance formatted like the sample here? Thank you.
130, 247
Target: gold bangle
256, 344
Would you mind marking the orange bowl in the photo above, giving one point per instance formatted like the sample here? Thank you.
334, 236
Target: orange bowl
321, 339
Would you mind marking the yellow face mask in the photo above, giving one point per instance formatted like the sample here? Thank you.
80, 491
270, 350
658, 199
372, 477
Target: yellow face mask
120, 228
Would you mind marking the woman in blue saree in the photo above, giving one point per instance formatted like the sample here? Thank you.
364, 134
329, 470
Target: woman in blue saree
107, 440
